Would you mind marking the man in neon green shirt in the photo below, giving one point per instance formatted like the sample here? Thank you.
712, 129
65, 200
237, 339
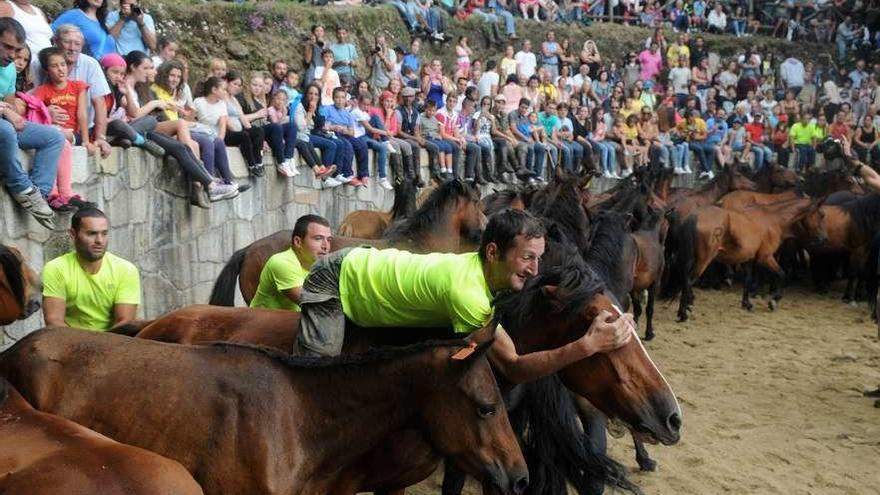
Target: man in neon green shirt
803, 139
90, 288
282, 277
392, 288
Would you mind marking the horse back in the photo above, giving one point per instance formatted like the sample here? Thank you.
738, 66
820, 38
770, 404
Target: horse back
214, 410
366, 224
44, 454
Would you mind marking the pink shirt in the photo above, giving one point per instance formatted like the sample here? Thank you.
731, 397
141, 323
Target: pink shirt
651, 64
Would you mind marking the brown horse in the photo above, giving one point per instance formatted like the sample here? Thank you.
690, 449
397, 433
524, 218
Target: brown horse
43, 454
751, 236
648, 268
774, 178
501, 200
740, 200
19, 287
370, 224
683, 202
450, 220
250, 420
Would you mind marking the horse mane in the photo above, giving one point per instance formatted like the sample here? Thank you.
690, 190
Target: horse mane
865, 212
607, 243
514, 309
561, 204
12, 266
4, 390
431, 212
374, 355
404, 199
498, 201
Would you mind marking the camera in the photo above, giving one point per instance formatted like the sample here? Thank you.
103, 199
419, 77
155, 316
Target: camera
136, 10
830, 148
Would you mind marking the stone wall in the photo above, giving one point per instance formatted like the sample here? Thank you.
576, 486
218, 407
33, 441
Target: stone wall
180, 249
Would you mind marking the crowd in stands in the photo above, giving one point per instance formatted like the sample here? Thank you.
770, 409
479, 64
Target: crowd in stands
100, 78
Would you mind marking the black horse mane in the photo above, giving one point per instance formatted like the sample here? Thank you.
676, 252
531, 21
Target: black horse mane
404, 199
514, 310
4, 390
12, 266
865, 211
431, 213
607, 247
498, 201
374, 355
561, 204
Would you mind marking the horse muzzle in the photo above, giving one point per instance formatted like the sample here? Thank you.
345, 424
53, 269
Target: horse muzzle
32, 306
498, 481
669, 433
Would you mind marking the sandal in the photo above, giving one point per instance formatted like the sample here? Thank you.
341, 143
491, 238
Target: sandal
322, 171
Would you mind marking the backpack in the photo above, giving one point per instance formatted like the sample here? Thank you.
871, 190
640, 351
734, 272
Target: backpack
36, 112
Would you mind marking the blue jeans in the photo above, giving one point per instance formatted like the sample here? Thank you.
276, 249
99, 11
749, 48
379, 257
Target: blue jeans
282, 140
572, 155
407, 13
705, 154
359, 150
47, 143
327, 146
489, 17
739, 27
841, 51
806, 156
535, 158
381, 150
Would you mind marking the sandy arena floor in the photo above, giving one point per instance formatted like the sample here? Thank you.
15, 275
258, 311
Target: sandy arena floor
772, 402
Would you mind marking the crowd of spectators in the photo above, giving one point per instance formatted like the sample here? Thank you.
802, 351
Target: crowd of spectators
100, 79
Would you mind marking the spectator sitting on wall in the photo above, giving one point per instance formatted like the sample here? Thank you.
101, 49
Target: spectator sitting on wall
38, 33
132, 27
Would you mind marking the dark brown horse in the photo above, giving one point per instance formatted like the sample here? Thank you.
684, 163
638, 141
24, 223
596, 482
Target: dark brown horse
450, 220
19, 287
44, 454
739, 200
250, 420
683, 202
748, 237
648, 268
371, 224
773, 178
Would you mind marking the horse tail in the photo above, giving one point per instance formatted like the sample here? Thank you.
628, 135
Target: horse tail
131, 328
680, 258
556, 449
223, 293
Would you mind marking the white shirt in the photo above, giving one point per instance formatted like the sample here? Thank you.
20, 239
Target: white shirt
717, 19
792, 72
37, 31
680, 77
210, 113
526, 62
577, 82
359, 117
487, 80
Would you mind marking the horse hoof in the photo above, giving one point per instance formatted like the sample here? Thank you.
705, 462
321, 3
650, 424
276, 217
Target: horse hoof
747, 306
728, 282
854, 304
651, 464
649, 336
773, 304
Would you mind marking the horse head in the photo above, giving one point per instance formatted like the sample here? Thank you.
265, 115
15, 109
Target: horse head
555, 309
812, 220
464, 398
20, 287
736, 181
467, 213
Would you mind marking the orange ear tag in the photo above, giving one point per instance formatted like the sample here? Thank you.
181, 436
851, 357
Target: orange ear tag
465, 352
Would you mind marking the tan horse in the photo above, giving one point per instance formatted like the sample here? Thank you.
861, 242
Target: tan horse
370, 224
44, 454
19, 287
449, 221
248, 421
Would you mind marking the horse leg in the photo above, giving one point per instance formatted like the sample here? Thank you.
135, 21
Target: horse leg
642, 457
746, 303
453, 479
769, 261
636, 304
649, 313
595, 426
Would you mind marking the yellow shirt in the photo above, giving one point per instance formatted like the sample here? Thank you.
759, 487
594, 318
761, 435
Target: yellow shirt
802, 134
164, 96
282, 272
393, 288
549, 91
90, 299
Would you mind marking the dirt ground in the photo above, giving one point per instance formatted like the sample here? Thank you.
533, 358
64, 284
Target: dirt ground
772, 401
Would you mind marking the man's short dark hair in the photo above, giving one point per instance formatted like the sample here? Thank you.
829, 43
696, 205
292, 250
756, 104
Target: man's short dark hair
301, 228
505, 225
85, 212
10, 24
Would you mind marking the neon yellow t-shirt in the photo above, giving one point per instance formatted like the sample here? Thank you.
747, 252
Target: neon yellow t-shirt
166, 97
282, 272
802, 134
90, 298
393, 288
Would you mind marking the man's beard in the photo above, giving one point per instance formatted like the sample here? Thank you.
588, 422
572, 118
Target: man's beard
84, 253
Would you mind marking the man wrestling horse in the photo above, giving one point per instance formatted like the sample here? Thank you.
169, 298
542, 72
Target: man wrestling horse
392, 288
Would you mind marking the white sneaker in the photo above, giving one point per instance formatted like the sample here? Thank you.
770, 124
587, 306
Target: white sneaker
282, 169
615, 176
687, 169
679, 171
384, 183
332, 182
710, 175
703, 175
626, 173
290, 163
343, 179
391, 148
218, 191
606, 174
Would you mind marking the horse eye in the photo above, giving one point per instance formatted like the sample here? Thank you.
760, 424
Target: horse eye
486, 411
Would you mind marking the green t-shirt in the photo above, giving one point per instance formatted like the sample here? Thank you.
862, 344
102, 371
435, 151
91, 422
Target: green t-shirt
282, 272
802, 134
7, 80
90, 298
393, 288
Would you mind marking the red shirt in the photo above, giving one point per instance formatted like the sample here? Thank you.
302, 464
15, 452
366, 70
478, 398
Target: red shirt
756, 131
67, 98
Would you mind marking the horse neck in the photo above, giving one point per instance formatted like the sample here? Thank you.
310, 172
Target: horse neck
445, 236
368, 403
786, 214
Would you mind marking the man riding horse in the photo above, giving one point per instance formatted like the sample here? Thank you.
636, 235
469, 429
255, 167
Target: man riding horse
392, 288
